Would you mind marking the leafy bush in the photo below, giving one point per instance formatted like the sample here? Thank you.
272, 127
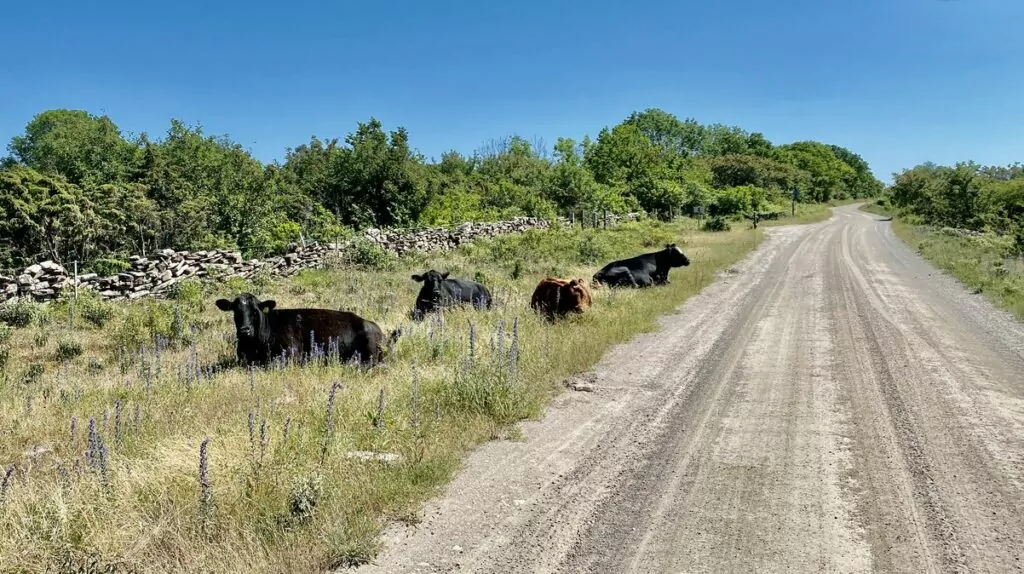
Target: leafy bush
593, 248
95, 310
363, 252
304, 495
19, 312
143, 323
188, 293
68, 349
717, 223
108, 267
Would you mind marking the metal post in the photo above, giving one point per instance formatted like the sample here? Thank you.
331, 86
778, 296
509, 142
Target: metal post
76, 280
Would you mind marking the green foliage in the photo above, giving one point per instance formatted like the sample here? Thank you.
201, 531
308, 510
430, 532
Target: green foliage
828, 174
68, 349
88, 310
306, 491
965, 195
716, 223
43, 217
144, 322
188, 294
81, 147
19, 312
75, 189
108, 267
364, 252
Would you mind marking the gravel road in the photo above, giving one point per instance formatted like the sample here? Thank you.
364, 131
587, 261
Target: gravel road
832, 403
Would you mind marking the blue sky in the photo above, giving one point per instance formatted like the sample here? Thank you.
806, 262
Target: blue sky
898, 81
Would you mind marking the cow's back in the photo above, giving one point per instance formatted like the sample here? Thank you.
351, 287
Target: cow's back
299, 328
465, 291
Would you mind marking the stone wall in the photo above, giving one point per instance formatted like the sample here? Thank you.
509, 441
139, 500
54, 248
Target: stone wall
154, 275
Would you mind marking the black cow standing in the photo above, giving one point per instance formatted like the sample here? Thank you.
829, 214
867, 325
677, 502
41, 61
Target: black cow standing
643, 270
265, 332
439, 291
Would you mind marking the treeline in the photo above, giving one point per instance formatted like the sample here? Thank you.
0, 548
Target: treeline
964, 196
75, 188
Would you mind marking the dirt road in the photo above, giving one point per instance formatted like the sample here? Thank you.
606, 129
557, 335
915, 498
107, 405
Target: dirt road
831, 404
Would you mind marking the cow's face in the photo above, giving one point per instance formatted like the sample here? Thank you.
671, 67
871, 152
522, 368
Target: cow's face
577, 293
676, 257
431, 280
248, 311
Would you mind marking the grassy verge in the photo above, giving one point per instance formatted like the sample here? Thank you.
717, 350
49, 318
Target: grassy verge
981, 262
877, 208
105, 432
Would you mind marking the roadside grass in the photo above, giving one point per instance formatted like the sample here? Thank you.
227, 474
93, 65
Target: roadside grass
981, 262
103, 428
877, 207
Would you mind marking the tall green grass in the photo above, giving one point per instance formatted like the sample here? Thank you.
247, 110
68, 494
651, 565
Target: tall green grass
281, 485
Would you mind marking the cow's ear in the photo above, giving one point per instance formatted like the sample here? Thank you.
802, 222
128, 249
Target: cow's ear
444, 275
224, 304
418, 278
267, 305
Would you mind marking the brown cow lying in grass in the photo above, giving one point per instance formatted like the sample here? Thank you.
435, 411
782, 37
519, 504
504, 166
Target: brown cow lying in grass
556, 297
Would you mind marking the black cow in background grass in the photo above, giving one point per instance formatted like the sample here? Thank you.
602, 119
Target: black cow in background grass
439, 291
266, 333
643, 270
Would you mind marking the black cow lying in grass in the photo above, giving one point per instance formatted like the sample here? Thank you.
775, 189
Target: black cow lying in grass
266, 333
643, 270
439, 291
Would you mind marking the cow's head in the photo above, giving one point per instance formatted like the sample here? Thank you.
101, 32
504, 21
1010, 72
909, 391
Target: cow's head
675, 257
431, 279
577, 292
249, 313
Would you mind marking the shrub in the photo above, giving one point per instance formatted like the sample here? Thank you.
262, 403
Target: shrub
89, 307
716, 224
95, 310
19, 312
304, 495
363, 252
68, 349
188, 293
108, 267
593, 247
143, 323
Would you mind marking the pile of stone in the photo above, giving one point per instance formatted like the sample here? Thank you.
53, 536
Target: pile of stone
156, 274
41, 281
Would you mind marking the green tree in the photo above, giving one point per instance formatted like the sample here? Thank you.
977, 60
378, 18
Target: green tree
571, 186
378, 180
828, 173
83, 148
44, 217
